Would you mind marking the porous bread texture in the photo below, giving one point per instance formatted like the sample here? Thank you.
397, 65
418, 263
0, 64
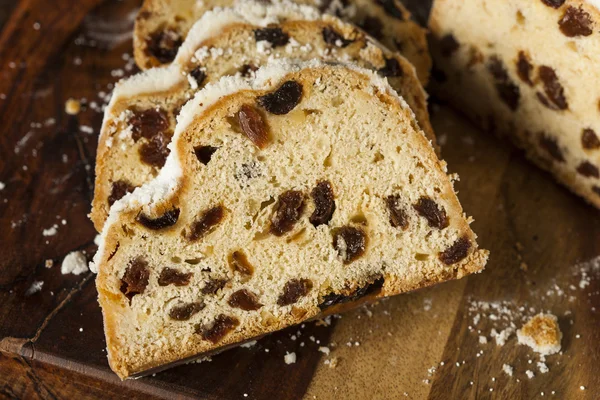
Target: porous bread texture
349, 129
542, 334
386, 20
223, 43
528, 71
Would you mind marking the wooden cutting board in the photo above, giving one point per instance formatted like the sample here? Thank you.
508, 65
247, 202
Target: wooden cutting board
427, 344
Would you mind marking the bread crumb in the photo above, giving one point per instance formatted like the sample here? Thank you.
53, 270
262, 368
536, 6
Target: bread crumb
289, 358
324, 350
542, 367
2, 185
49, 263
72, 107
529, 374
53, 230
249, 344
508, 370
34, 288
542, 334
482, 340
74, 263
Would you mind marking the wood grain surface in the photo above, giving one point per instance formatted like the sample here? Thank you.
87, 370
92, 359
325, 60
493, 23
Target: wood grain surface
51, 341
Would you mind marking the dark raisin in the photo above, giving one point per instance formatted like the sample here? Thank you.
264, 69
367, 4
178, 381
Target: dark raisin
334, 38
205, 222
213, 286
171, 276
222, 325
448, 45
552, 87
148, 123
288, 211
244, 299
322, 196
275, 36
239, 263
435, 215
507, 90
588, 170
589, 139
457, 252
554, 3
391, 8
199, 75
205, 153
283, 100
156, 151
497, 69
392, 68
438, 74
186, 311
350, 243
163, 45
168, 219
576, 22
119, 190
373, 26
247, 69
524, 68
253, 125
398, 216
549, 144
332, 299
136, 277
293, 290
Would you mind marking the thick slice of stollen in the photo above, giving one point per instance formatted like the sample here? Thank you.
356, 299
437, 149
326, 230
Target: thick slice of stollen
139, 121
162, 25
284, 197
528, 70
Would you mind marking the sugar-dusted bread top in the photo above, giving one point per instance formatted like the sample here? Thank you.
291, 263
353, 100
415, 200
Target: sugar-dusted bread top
140, 119
308, 186
162, 25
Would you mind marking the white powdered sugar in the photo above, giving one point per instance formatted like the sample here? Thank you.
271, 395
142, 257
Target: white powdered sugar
74, 263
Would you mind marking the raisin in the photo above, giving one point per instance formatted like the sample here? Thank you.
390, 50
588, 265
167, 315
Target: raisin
589, 139
136, 277
552, 87
457, 252
554, 3
334, 38
391, 9
288, 211
588, 170
199, 75
507, 90
168, 219
283, 100
293, 290
350, 243
576, 22
148, 123
373, 26
392, 68
119, 190
203, 224
596, 189
253, 125
247, 69
186, 311
239, 263
438, 74
322, 195
205, 153
213, 286
524, 68
170, 276
448, 45
275, 36
549, 144
398, 216
156, 151
244, 299
370, 288
163, 45
222, 325
435, 216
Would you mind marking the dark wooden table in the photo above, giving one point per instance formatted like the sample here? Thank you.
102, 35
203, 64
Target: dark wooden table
51, 341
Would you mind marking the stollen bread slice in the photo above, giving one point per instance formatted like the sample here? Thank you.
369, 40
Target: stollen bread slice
527, 70
162, 25
307, 187
140, 118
